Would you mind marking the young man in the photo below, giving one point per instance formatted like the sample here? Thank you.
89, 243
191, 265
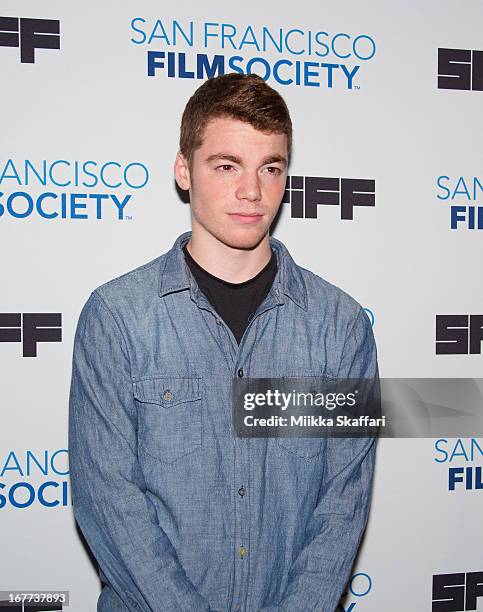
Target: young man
180, 513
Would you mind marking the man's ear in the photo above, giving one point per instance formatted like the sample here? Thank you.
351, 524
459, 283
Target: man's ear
182, 172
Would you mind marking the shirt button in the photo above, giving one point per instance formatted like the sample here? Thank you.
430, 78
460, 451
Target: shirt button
218, 322
167, 395
237, 609
241, 491
243, 551
240, 373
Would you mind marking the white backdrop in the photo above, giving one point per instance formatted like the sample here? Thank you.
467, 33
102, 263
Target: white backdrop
93, 101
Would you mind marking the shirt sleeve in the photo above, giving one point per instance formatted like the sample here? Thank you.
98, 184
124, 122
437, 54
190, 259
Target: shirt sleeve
108, 488
320, 572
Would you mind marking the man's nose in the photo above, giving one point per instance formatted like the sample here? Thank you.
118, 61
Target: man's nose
249, 187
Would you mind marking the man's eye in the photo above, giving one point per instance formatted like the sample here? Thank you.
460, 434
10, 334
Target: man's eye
274, 170
225, 167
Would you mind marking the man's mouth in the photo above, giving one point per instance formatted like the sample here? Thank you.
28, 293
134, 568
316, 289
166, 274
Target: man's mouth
242, 217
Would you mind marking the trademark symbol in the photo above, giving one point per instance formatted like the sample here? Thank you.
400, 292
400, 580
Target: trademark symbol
357, 86
128, 218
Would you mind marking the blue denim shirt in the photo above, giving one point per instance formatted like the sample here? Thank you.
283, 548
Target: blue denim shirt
181, 514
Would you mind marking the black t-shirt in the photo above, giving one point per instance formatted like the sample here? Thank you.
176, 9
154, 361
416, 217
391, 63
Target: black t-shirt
234, 302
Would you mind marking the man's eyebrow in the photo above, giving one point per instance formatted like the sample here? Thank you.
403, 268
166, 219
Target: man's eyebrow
272, 159
227, 156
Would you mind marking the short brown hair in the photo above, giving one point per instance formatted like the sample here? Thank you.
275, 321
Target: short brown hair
241, 96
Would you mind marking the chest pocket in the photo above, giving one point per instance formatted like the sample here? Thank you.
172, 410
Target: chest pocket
169, 416
304, 448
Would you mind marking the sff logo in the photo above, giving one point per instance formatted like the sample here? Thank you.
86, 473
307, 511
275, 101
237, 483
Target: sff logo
30, 329
29, 34
306, 193
459, 334
460, 69
457, 592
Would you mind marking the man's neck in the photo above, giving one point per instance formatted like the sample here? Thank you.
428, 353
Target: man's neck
229, 264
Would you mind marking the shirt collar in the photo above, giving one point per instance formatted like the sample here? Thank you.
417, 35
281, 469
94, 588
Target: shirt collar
175, 275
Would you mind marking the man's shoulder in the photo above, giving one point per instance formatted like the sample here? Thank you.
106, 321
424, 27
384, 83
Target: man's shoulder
324, 296
138, 283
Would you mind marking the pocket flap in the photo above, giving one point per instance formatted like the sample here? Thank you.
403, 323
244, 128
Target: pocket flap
167, 391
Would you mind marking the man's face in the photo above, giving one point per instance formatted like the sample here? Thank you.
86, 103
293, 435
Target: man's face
236, 182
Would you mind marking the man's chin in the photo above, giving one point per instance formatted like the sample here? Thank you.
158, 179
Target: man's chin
243, 240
